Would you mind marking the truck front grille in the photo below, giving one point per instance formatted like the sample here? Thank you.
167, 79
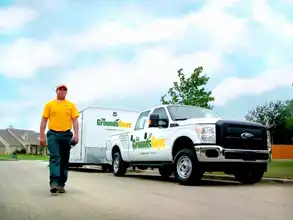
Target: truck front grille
229, 135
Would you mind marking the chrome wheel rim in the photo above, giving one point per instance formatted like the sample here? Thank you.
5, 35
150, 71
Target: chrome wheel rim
116, 164
184, 167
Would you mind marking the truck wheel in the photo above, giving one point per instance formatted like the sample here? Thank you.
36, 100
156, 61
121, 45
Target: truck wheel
165, 172
119, 166
249, 176
186, 167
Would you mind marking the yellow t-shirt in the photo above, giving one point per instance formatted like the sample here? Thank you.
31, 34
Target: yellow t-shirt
60, 114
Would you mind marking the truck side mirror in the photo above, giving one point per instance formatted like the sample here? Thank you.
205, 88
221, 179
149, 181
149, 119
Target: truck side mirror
154, 121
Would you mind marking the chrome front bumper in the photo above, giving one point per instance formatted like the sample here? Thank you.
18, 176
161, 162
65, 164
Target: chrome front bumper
215, 153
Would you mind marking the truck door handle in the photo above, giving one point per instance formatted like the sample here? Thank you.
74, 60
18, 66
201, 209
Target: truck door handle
131, 137
145, 135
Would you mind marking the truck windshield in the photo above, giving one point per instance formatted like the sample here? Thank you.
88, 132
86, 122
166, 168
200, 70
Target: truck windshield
185, 112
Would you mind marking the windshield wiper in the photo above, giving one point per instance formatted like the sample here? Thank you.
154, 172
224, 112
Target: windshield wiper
181, 119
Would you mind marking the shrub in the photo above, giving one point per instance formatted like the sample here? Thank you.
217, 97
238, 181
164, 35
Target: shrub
20, 151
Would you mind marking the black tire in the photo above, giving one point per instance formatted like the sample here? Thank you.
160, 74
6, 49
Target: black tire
249, 177
195, 173
166, 172
121, 168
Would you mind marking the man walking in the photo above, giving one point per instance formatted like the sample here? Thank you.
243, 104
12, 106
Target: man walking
62, 114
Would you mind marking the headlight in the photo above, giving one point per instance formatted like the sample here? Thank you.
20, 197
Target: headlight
207, 133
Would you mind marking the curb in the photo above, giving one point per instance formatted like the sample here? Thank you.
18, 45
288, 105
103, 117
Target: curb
224, 177
11, 159
7, 159
232, 178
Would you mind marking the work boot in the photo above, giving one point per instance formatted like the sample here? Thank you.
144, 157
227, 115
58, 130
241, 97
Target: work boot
61, 189
53, 189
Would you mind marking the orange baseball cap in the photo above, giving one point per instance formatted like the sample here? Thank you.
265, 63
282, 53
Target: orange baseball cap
61, 86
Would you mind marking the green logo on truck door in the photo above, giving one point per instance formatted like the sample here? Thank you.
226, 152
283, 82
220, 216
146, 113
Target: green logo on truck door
117, 123
150, 142
136, 143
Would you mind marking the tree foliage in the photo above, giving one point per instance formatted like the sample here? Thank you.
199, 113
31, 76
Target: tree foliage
276, 116
190, 90
288, 112
269, 114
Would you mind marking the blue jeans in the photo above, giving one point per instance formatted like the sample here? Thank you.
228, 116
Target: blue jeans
59, 148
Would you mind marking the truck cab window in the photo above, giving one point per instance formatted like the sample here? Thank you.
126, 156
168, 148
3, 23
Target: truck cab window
162, 115
141, 121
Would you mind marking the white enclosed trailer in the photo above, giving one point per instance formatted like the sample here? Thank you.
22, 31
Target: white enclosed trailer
96, 125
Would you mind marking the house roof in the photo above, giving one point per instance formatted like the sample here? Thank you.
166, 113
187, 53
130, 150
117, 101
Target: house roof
9, 138
25, 136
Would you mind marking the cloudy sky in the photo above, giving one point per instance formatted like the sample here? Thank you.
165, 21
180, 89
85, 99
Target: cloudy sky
125, 53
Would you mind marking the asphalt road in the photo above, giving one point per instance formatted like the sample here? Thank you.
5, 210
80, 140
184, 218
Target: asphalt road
94, 195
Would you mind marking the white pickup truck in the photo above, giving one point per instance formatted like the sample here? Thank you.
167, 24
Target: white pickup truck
187, 141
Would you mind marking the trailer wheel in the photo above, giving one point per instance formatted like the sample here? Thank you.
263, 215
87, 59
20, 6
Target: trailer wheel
119, 166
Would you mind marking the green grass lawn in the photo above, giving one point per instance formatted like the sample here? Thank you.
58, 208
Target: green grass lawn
25, 157
280, 169
277, 169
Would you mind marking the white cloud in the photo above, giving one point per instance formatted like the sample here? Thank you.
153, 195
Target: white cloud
9, 111
233, 87
16, 17
153, 69
275, 22
115, 33
223, 30
24, 57
278, 72
33, 55
286, 2
42, 6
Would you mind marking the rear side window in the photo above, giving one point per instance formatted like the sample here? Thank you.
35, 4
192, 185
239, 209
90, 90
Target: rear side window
142, 120
161, 112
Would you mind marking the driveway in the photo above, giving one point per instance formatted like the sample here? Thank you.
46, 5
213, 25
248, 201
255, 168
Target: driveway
94, 195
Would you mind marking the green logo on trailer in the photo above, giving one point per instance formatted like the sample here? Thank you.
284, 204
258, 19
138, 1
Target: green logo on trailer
116, 123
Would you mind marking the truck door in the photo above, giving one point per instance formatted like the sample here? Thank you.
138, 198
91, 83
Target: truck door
139, 145
159, 150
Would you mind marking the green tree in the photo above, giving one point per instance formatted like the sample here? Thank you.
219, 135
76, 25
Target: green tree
288, 112
190, 90
272, 115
